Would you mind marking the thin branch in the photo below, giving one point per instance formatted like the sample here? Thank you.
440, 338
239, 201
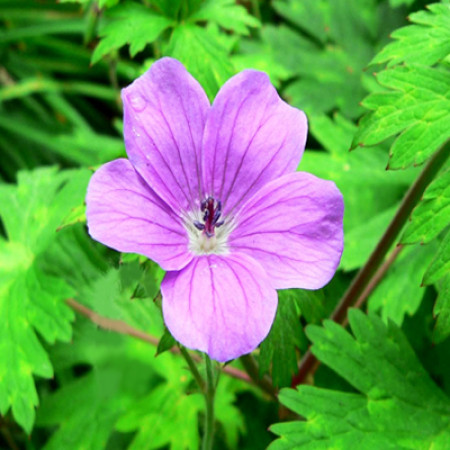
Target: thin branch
376, 279
363, 279
118, 326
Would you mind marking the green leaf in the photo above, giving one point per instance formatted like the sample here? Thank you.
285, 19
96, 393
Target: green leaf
278, 350
86, 408
204, 56
166, 416
111, 295
400, 291
227, 14
260, 56
33, 210
441, 262
398, 406
397, 3
329, 67
30, 299
426, 43
311, 304
432, 214
415, 106
76, 215
360, 241
166, 342
131, 23
442, 310
75, 146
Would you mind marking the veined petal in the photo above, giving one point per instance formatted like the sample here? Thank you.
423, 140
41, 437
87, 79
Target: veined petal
293, 227
221, 305
126, 215
251, 137
164, 115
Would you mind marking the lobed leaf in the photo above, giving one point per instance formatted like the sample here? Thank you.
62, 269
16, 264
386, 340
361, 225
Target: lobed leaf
131, 23
203, 54
30, 299
427, 42
398, 406
227, 14
416, 107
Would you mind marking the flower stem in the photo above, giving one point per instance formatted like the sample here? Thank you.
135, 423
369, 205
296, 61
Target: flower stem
193, 368
210, 391
368, 271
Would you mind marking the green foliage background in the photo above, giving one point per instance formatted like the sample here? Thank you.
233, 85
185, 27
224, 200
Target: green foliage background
373, 76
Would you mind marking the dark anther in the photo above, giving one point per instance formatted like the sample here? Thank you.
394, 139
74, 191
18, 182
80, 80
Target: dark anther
200, 226
216, 216
212, 211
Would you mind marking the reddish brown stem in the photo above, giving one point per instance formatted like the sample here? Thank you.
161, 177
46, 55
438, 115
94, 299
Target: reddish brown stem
118, 326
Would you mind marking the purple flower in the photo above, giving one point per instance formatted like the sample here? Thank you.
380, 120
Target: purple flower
211, 193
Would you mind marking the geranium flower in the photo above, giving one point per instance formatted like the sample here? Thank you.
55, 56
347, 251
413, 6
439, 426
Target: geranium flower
211, 194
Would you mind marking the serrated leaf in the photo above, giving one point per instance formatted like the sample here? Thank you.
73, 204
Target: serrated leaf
399, 406
416, 107
278, 350
131, 23
227, 14
400, 292
442, 310
30, 299
440, 265
203, 54
426, 43
432, 214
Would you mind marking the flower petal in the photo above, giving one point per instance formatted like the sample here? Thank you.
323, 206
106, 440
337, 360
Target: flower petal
293, 227
164, 115
251, 137
221, 305
125, 214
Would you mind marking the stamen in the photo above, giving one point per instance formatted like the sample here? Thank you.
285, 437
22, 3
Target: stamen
212, 210
200, 226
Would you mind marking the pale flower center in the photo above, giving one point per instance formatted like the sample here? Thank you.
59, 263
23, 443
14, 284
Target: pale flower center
208, 231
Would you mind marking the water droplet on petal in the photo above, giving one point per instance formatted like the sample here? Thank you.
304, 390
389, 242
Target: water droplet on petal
138, 103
